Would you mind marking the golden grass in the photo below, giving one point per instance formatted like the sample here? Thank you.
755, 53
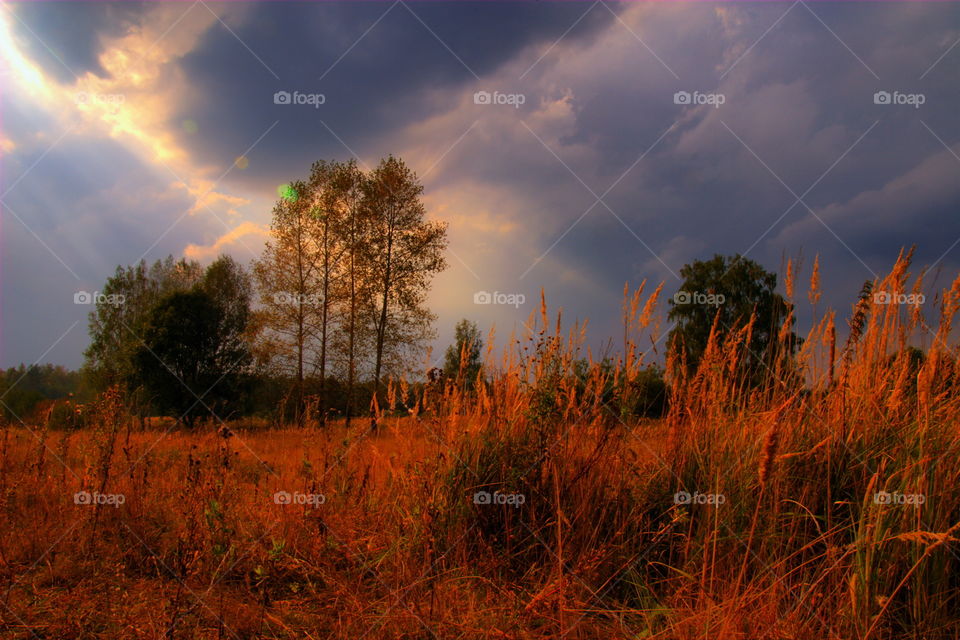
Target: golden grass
821, 504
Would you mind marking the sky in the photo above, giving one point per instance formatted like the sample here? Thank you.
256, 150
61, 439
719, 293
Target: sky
570, 146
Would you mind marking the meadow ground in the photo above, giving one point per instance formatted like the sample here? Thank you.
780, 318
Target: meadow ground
820, 503
267, 533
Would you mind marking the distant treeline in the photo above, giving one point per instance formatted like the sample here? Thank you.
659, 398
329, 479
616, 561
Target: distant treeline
27, 391
24, 389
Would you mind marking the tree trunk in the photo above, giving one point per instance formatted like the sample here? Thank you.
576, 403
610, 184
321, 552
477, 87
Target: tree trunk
300, 370
323, 326
353, 316
301, 286
351, 331
382, 329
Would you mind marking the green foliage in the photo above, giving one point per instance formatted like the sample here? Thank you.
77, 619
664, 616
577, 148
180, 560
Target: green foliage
66, 415
25, 388
643, 397
194, 354
647, 395
116, 329
735, 288
468, 343
229, 287
176, 364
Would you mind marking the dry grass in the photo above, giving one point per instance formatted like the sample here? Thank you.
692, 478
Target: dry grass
799, 546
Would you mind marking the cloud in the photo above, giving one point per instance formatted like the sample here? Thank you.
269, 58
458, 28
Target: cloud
65, 39
799, 102
146, 163
877, 223
226, 241
131, 94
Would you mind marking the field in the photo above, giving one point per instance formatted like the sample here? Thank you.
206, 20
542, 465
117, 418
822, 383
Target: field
821, 503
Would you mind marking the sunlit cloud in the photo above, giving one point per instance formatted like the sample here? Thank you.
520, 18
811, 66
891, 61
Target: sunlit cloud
134, 102
155, 149
229, 240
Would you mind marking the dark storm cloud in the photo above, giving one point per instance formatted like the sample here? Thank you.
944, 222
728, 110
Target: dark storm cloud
802, 107
798, 108
399, 72
65, 37
917, 208
798, 101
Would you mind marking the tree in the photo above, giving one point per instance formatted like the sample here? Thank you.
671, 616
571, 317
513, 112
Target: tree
403, 251
287, 276
344, 278
120, 313
194, 350
325, 211
229, 286
26, 387
119, 318
736, 288
462, 361
347, 186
